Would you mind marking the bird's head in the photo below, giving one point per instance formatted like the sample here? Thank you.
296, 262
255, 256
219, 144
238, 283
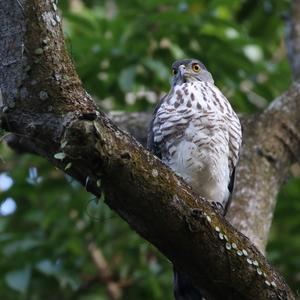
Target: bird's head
189, 70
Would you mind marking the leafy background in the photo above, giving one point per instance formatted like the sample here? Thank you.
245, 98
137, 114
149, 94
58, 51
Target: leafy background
123, 51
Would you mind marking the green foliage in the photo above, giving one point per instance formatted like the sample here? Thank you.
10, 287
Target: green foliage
129, 45
123, 51
45, 242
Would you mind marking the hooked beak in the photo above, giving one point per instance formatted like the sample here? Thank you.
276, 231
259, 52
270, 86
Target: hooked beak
181, 71
180, 77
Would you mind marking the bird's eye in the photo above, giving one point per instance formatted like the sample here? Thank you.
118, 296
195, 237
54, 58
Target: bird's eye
196, 67
174, 71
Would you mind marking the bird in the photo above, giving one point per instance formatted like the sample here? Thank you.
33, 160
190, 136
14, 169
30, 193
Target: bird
195, 131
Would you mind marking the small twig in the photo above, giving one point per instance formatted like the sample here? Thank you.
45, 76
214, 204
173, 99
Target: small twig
113, 288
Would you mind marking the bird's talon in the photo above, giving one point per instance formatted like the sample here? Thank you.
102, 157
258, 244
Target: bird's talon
218, 206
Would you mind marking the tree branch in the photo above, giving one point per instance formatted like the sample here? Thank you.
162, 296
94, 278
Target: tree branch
43, 99
113, 288
136, 123
271, 146
293, 38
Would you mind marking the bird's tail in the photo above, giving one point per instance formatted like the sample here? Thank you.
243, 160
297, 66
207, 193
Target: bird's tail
183, 288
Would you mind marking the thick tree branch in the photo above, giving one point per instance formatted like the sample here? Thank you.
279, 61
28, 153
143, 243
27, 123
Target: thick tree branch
293, 38
43, 100
136, 123
271, 146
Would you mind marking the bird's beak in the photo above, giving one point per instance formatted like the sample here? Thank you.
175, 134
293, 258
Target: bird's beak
181, 70
180, 76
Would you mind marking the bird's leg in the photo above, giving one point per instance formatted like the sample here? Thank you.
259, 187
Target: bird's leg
218, 206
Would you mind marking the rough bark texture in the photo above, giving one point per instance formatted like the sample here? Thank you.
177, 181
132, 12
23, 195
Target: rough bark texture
44, 102
271, 146
293, 38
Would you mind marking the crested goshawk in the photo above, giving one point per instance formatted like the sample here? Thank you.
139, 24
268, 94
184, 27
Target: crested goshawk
196, 133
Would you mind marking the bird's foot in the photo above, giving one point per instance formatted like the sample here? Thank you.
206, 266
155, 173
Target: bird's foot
218, 206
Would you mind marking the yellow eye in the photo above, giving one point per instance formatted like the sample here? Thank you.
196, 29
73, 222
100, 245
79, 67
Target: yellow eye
174, 71
196, 68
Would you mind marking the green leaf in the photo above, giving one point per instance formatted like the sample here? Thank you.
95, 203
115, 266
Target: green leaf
126, 79
158, 68
19, 279
20, 246
177, 52
47, 267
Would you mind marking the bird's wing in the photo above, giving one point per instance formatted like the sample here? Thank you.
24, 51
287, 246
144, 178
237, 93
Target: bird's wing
151, 145
235, 141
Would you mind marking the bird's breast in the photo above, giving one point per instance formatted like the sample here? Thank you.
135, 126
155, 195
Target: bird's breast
191, 126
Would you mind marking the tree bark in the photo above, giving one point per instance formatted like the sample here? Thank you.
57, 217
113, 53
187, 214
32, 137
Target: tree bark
44, 102
293, 38
271, 146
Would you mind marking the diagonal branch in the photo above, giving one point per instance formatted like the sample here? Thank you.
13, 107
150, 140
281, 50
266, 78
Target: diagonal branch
43, 99
293, 38
271, 146
105, 274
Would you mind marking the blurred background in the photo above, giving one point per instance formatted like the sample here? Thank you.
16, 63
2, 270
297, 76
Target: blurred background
56, 240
